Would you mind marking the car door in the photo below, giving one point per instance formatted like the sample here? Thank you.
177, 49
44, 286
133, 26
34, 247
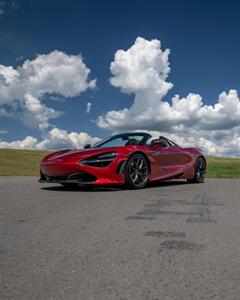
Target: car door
171, 160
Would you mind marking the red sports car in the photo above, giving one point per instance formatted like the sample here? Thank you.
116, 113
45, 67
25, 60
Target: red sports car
131, 159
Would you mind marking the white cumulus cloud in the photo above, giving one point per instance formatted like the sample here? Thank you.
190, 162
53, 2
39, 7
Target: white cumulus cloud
36, 113
142, 70
27, 143
55, 139
22, 89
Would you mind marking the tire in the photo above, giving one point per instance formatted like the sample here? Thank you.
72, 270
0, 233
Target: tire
200, 171
137, 172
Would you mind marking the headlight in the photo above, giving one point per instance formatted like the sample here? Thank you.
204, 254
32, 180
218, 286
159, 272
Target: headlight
101, 160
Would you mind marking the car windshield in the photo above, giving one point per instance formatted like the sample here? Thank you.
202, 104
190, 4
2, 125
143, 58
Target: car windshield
122, 140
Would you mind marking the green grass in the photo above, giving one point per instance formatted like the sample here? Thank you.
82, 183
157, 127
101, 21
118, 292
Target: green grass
223, 167
26, 163
20, 162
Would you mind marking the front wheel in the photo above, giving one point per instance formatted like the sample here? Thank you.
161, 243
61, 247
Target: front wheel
200, 171
137, 172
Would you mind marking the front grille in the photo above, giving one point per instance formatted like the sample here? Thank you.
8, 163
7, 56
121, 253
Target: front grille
82, 177
79, 177
58, 178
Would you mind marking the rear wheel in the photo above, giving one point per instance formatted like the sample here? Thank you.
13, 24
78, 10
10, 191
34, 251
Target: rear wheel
137, 172
200, 171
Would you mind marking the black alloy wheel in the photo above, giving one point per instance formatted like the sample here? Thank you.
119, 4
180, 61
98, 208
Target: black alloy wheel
137, 172
200, 171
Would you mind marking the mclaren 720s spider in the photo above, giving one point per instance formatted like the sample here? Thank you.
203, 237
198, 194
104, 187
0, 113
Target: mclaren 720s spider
130, 159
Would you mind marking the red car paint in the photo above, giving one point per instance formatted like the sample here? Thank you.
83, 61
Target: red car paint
165, 162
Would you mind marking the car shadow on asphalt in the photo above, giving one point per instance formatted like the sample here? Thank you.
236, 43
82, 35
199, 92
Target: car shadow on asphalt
60, 188
167, 183
151, 185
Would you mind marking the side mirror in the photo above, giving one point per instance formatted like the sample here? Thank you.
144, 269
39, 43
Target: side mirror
87, 146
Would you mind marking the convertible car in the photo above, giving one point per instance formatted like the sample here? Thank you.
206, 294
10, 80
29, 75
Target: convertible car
130, 159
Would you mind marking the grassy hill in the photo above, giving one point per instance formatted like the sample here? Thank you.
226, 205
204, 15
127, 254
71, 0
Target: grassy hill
223, 167
15, 162
26, 163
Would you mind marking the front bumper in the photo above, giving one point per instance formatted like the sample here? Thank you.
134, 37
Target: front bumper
82, 178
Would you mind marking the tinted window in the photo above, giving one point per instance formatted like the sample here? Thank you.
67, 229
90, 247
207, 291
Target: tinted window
119, 141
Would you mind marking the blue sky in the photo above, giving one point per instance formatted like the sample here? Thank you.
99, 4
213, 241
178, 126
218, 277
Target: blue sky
203, 37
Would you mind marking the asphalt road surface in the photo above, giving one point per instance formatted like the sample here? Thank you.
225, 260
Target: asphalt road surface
169, 241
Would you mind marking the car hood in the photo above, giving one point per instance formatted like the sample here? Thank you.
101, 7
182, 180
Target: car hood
69, 154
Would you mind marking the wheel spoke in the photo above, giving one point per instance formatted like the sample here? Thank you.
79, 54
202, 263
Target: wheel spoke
135, 178
139, 161
131, 175
133, 166
201, 168
143, 176
141, 164
138, 170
